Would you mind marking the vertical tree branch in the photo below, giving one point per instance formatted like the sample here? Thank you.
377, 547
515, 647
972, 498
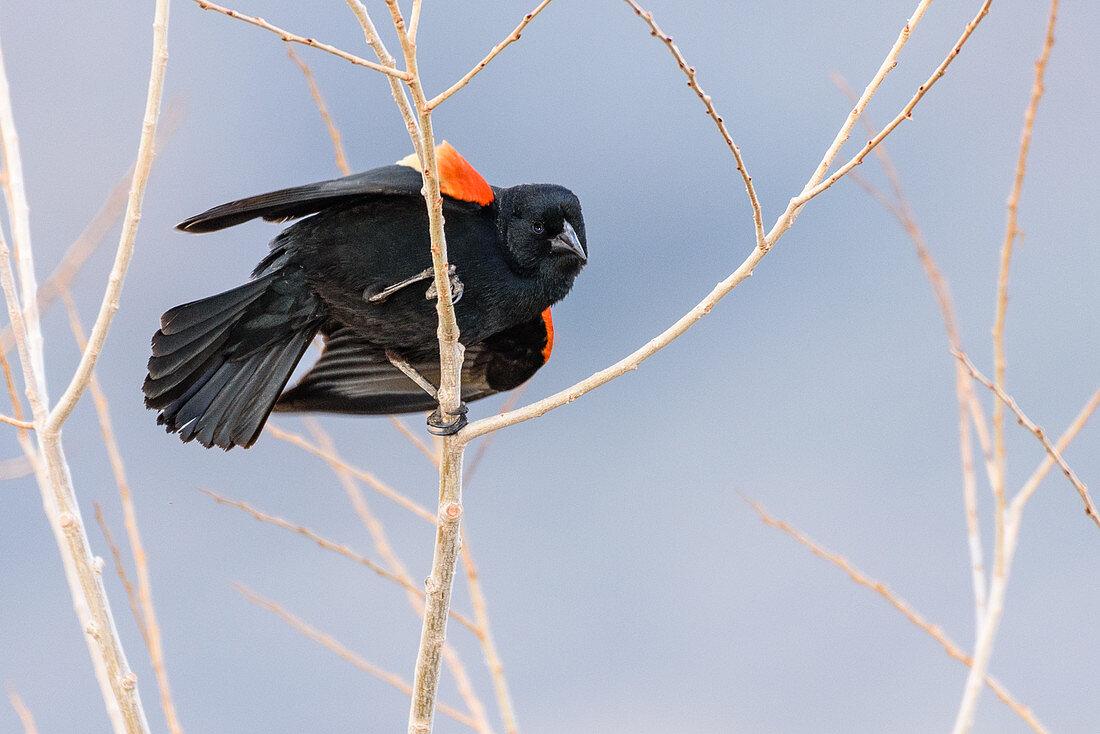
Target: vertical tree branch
142, 166
1007, 523
147, 619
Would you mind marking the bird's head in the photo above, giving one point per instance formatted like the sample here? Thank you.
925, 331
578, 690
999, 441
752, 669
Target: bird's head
543, 231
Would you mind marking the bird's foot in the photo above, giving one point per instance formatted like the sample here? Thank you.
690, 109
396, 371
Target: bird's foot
456, 287
439, 427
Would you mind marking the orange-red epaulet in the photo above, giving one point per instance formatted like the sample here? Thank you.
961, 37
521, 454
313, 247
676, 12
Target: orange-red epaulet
457, 178
549, 346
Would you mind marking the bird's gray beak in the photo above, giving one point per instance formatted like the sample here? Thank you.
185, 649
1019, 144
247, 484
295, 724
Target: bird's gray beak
568, 241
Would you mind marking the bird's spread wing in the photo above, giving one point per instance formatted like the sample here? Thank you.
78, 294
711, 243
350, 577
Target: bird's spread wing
354, 376
458, 180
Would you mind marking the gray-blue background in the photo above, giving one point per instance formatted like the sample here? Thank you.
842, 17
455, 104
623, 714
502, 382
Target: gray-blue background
631, 589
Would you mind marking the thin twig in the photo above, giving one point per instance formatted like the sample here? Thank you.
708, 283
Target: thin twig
1048, 461
488, 643
370, 34
375, 483
689, 71
509, 40
315, 92
1011, 230
21, 710
117, 682
147, 620
905, 114
295, 38
332, 644
142, 166
26, 425
94, 233
902, 606
743, 271
483, 446
393, 561
120, 571
900, 208
1052, 451
327, 544
415, 440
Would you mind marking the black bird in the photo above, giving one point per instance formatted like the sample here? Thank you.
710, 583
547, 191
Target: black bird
358, 271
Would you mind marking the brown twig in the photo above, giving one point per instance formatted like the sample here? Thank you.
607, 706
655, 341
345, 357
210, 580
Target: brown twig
433, 456
120, 571
969, 407
509, 40
744, 270
295, 38
1052, 451
147, 619
315, 92
26, 425
902, 606
488, 643
905, 114
335, 646
393, 561
21, 710
689, 71
374, 482
93, 235
327, 544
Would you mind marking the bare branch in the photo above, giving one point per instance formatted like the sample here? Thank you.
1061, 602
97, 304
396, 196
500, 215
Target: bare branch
911, 614
488, 643
393, 561
743, 271
1048, 461
332, 644
815, 188
964, 394
142, 166
1052, 451
1011, 230
315, 92
335, 461
22, 711
327, 544
26, 425
311, 42
147, 620
509, 40
689, 71
120, 571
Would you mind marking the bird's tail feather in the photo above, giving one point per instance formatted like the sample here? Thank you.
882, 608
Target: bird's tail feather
219, 364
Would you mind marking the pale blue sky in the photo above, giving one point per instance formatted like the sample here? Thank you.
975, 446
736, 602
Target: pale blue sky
631, 589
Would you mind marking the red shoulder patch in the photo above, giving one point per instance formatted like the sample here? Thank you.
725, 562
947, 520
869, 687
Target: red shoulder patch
457, 178
549, 346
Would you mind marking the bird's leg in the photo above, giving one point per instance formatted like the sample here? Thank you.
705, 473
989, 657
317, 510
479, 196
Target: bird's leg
410, 372
373, 296
456, 287
436, 425
379, 296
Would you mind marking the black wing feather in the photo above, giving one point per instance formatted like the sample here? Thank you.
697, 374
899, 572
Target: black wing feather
354, 376
301, 201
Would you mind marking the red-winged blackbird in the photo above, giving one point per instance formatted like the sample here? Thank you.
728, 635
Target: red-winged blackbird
359, 272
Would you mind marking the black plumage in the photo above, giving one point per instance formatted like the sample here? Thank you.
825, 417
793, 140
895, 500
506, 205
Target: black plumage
219, 365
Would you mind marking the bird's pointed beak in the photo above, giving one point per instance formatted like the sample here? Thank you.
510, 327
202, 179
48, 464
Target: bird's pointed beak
568, 241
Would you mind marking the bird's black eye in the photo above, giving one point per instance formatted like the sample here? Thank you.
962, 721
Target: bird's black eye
537, 228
